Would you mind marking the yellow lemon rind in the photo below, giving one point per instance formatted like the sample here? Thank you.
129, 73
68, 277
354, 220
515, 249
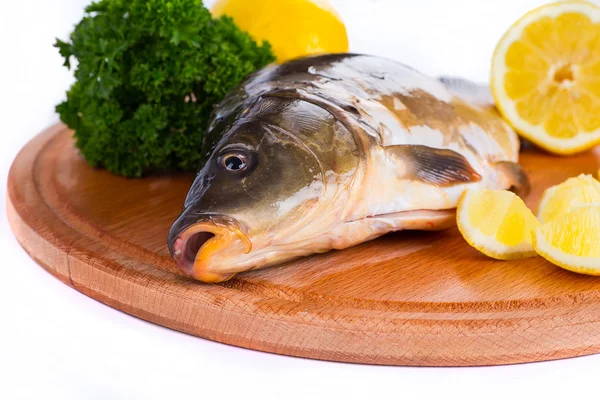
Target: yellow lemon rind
507, 107
580, 264
490, 246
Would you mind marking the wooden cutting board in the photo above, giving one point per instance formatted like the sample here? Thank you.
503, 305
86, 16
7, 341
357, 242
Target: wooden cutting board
408, 298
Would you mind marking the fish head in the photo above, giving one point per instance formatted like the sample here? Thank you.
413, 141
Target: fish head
272, 178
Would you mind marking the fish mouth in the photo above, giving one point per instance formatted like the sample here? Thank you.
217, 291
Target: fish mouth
200, 245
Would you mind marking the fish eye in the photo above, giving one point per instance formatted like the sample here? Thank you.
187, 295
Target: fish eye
234, 161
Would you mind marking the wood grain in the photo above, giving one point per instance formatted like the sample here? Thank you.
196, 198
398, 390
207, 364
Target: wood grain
409, 298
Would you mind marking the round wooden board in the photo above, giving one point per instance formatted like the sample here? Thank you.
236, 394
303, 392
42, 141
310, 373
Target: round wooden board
408, 298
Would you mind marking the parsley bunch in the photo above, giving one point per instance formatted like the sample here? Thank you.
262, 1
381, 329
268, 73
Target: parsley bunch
148, 74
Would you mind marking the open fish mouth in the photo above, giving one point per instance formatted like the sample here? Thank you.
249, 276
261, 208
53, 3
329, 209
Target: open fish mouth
200, 246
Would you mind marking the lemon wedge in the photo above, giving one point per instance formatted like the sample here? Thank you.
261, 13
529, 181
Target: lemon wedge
294, 28
562, 198
572, 241
545, 76
497, 223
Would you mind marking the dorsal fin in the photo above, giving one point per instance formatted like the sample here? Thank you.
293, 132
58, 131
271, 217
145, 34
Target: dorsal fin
439, 167
471, 92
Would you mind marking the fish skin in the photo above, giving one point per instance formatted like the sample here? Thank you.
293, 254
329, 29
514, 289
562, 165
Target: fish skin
340, 149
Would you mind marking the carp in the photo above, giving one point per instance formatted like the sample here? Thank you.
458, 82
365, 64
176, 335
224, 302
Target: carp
329, 151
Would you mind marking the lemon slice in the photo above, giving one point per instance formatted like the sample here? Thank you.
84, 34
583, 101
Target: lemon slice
546, 76
497, 223
294, 28
573, 240
561, 199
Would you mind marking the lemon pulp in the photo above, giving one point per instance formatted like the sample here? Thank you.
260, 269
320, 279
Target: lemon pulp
562, 198
497, 223
572, 241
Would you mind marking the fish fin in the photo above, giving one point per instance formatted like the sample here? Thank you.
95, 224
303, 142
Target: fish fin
439, 167
471, 92
514, 176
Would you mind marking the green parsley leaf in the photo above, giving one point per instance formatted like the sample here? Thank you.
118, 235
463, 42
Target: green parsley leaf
147, 76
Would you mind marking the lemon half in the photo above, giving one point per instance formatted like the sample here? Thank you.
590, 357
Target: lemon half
545, 76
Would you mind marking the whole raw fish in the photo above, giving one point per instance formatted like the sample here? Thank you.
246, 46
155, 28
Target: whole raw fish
326, 152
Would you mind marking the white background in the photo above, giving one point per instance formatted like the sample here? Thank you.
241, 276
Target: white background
58, 344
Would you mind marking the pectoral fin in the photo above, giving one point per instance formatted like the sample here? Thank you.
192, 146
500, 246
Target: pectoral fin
439, 167
514, 177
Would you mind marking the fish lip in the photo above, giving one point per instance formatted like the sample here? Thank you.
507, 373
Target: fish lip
193, 246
